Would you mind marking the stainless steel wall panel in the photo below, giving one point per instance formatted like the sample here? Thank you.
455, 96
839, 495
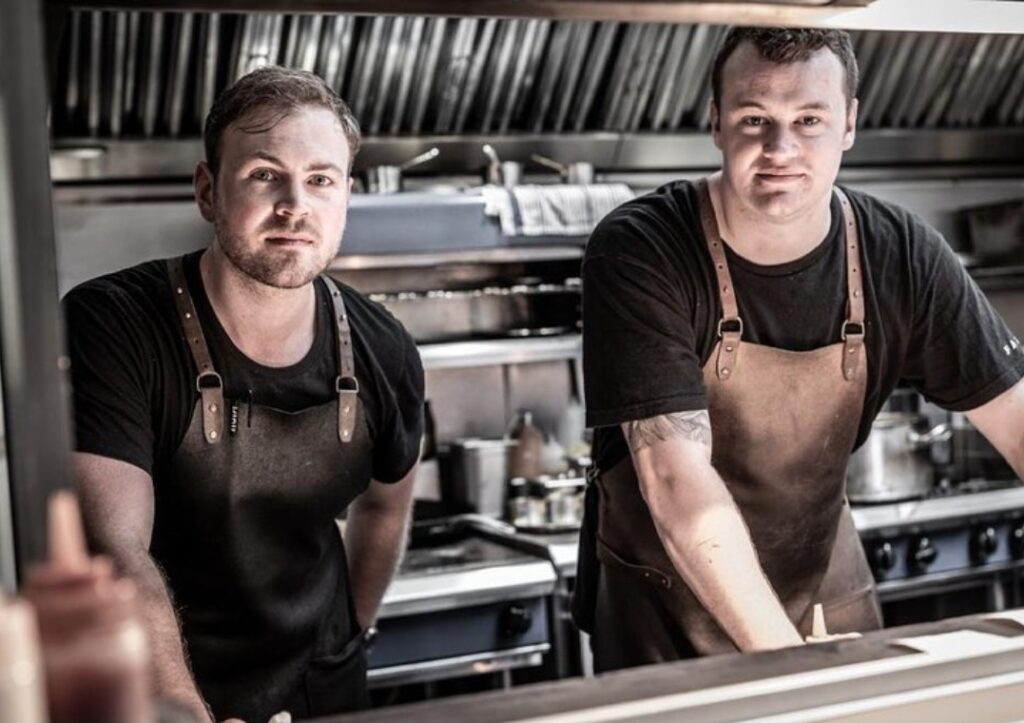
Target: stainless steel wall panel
181, 55
427, 66
411, 50
206, 88
570, 77
553, 65
521, 77
894, 79
530, 78
368, 51
621, 74
661, 35
116, 99
917, 74
476, 72
940, 59
508, 36
960, 55
595, 64
699, 56
1000, 73
668, 75
454, 74
131, 68
153, 79
1013, 96
93, 107
392, 53
963, 91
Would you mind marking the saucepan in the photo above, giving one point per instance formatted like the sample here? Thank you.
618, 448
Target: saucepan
895, 461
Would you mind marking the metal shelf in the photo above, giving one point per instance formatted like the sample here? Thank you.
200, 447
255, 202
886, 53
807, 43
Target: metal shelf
463, 354
505, 255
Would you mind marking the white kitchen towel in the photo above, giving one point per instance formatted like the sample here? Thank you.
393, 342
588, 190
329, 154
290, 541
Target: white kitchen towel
553, 210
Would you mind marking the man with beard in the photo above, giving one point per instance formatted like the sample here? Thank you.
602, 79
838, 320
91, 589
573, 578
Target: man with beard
232, 404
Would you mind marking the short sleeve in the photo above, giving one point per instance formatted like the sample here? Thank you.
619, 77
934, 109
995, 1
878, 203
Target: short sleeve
960, 354
109, 375
639, 352
397, 443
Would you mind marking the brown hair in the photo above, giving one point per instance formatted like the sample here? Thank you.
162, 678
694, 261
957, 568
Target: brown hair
267, 95
787, 45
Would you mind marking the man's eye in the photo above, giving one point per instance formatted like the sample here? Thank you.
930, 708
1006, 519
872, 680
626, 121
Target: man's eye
263, 175
810, 120
755, 121
321, 180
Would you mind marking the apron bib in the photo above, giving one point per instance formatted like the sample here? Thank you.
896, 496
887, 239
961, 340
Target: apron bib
784, 425
245, 533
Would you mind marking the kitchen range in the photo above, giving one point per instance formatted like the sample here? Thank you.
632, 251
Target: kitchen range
493, 144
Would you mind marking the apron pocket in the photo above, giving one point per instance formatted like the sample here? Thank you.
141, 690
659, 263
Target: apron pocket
337, 683
650, 574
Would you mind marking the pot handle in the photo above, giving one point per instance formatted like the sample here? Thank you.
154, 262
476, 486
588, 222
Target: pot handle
938, 433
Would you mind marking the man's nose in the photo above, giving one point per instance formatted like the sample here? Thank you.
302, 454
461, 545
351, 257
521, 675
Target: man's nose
780, 141
293, 201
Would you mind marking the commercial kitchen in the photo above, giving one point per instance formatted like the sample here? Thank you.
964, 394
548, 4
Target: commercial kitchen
478, 118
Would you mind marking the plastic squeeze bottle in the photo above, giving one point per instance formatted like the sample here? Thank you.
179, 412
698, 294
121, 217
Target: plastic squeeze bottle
95, 650
21, 670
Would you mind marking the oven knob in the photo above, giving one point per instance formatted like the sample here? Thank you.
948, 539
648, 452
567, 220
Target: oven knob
922, 554
883, 558
1017, 541
516, 620
983, 544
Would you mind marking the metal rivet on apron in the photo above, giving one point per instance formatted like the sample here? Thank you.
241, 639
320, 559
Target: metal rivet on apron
188, 315
854, 269
852, 350
856, 294
728, 348
725, 372
195, 340
180, 291
725, 289
345, 409
213, 435
213, 407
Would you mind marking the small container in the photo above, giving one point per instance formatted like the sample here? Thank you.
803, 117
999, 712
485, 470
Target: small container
479, 472
95, 649
526, 458
22, 695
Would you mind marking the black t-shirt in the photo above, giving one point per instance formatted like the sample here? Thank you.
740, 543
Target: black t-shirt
651, 308
134, 378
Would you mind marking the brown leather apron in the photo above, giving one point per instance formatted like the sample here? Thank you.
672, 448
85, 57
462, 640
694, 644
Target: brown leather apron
783, 426
245, 533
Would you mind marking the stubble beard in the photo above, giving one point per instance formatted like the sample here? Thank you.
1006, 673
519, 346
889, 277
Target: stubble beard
277, 268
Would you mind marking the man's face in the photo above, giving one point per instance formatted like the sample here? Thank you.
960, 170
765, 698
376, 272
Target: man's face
280, 198
782, 130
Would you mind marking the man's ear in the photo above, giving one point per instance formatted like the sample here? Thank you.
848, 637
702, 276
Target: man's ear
716, 120
850, 133
203, 182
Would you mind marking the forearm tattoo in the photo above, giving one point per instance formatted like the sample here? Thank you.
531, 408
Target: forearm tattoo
694, 426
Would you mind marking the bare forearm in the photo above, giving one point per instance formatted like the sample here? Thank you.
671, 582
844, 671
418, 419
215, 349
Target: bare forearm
713, 552
172, 675
375, 539
702, 529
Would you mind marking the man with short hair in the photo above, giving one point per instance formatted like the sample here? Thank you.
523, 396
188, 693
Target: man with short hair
232, 404
740, 335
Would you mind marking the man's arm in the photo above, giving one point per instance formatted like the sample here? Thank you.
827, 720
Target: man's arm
375, 536
117, 507
1002, 422
702, 529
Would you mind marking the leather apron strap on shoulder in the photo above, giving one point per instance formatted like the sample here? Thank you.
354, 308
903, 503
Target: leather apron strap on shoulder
730, 326
853, 327
208, 381
346, 384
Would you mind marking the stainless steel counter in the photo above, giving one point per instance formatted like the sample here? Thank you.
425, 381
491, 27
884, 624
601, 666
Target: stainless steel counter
876, 678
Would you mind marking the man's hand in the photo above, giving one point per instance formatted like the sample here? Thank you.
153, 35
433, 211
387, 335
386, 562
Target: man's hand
702, 529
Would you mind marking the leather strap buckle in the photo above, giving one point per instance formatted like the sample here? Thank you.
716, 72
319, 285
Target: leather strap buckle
852, 329
346, 384
209, 380
736, 326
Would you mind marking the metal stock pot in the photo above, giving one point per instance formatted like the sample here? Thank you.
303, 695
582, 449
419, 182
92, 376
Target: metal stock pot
895, 461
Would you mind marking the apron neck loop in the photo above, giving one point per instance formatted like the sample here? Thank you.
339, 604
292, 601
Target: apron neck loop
730, 326
346, 385
853, 327
208, 382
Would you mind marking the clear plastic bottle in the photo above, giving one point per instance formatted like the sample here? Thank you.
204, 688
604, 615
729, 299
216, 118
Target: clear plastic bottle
95, 649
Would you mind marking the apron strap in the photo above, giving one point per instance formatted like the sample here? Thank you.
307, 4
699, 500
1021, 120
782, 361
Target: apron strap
208, 381
730, 326
853, 327
346, 384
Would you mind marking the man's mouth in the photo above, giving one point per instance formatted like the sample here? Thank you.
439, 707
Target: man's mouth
286, 240
778, 176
